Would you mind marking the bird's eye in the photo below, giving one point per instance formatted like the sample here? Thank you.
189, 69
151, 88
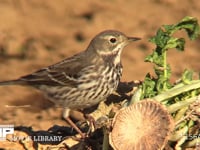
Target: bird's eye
113, 40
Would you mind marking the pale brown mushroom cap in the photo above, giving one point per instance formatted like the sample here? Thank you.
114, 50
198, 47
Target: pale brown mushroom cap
145, 125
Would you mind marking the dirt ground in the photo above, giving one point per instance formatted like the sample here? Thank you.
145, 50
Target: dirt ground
35, 34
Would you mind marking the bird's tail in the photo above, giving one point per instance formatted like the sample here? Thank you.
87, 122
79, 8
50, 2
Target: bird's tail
12, 82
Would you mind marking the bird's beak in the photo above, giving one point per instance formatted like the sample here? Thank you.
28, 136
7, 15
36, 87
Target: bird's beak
131, 39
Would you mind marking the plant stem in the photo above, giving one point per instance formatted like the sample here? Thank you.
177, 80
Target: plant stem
178, 105
105, 139
177, 90
165, 69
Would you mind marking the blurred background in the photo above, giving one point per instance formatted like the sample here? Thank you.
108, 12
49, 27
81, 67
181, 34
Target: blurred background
38, 33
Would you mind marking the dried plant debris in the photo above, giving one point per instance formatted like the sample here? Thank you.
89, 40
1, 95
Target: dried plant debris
143, 125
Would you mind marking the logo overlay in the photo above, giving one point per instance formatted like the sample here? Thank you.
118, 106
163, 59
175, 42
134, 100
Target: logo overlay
5, 130
9, 130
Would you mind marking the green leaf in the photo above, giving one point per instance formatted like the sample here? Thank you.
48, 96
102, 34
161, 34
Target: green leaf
155, 58
148, 87
163, 85
177, 43
169, 28
187, 76
180, 44
190, 24
160, 39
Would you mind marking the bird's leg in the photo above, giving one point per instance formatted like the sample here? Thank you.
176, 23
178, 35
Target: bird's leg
91, 120
71, 123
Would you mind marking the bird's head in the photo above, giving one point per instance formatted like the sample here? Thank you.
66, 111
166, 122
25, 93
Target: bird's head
110, 42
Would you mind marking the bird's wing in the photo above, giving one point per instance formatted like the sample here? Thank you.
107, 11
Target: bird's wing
64, 73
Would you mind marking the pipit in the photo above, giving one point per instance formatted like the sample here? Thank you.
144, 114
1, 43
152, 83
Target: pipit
84, 79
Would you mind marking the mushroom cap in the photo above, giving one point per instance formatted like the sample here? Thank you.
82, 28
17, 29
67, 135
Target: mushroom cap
145, 125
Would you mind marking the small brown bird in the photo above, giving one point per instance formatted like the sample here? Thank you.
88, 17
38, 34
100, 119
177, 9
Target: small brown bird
84, 79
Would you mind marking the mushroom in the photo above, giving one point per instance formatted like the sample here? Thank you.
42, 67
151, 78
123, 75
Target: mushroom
145, 125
